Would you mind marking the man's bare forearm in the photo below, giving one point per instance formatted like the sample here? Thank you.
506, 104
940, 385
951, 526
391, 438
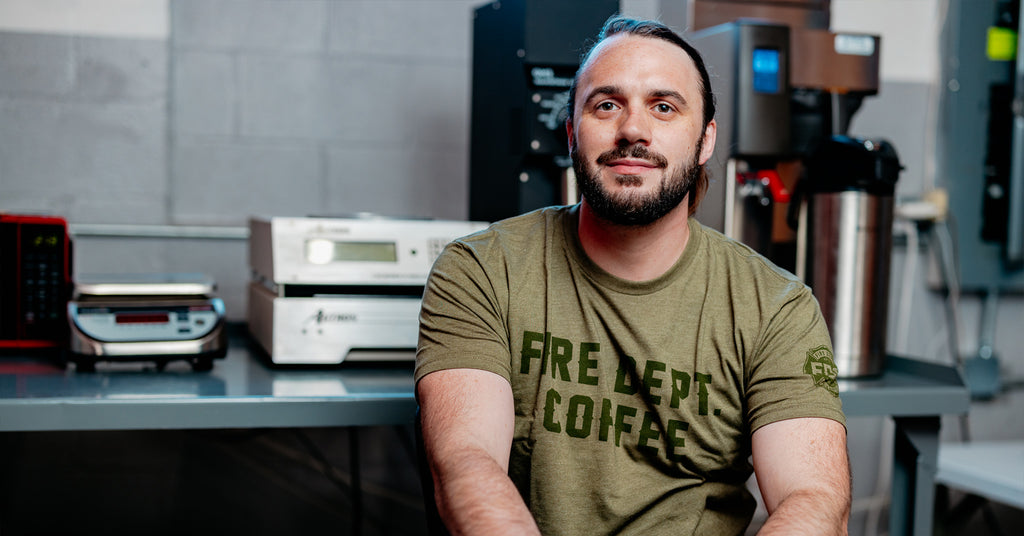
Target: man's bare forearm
475, 496
815, 513
467, 422
804, 475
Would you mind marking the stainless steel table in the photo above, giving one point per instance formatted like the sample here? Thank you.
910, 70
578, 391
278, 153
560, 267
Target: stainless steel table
243, 392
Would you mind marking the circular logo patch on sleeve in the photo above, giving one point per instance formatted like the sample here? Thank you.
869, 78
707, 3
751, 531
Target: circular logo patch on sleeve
821, 366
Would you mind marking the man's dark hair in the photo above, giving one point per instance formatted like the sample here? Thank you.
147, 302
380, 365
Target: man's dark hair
656, 30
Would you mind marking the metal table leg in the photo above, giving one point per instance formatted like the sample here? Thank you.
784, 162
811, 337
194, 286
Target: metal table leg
916, 452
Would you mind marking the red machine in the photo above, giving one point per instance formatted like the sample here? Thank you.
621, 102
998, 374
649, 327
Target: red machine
35, 281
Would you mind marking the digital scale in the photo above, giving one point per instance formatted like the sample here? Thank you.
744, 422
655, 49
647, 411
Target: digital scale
146, 317
331, 290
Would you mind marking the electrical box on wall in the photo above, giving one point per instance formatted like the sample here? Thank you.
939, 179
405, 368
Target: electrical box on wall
525, 55
983, 133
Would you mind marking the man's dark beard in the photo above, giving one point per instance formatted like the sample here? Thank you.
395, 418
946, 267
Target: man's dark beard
631, 209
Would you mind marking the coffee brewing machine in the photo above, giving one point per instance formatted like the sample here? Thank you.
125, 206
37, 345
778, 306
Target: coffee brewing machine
786, 179
781, 91
525, 55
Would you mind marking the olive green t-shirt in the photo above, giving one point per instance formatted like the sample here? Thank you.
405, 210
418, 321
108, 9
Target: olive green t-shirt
634, 401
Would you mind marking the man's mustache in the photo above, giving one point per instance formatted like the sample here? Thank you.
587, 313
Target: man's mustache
635, 150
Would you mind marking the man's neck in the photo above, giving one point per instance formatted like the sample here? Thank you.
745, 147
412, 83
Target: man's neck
635, 253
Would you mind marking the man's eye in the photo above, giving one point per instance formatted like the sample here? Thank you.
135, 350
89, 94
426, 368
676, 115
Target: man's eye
663, 108
606, 106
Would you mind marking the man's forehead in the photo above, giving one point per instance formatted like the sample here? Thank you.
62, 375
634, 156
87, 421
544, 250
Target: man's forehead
638, 45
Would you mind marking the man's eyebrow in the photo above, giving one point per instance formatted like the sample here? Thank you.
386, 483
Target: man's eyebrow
669, 94
603, 91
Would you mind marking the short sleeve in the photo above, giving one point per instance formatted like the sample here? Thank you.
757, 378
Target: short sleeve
463, 315
792, 373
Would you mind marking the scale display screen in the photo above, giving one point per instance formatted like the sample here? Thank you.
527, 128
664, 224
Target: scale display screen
766, 70
323, 251
142, 318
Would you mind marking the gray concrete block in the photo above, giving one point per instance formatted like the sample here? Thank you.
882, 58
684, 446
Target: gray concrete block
142, 208
124, 208
438, 104
225, 183
402, 28
284, 97
204, 95
369, 100
33, 64
28, 143
120, 70
271, 25
397, 181
344, 27
90, 151
15, 200
108, 255
321, 99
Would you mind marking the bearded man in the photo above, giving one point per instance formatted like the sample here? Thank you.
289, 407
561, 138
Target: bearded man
615, 367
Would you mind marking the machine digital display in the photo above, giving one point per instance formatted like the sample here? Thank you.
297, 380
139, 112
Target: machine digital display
766, 70
142, 318
45, 241
323, 251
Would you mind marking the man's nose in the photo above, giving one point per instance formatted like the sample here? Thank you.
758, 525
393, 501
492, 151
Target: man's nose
634, 127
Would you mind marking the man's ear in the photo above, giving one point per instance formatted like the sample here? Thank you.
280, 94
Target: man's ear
708, 147
568, 132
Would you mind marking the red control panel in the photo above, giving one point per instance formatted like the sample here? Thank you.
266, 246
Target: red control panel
35, 281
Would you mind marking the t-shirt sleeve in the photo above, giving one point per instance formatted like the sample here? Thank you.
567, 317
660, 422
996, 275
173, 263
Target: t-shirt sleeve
793, 373
462, 318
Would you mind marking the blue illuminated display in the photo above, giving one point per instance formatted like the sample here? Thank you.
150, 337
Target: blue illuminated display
766, 70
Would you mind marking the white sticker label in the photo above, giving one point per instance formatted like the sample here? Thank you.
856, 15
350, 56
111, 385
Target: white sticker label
855, 45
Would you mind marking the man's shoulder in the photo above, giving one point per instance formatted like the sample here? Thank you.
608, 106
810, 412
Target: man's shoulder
517, 232
740, 260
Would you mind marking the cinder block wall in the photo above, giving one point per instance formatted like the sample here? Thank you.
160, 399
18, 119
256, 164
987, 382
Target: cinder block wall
83, 127
318, 107
244, 107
